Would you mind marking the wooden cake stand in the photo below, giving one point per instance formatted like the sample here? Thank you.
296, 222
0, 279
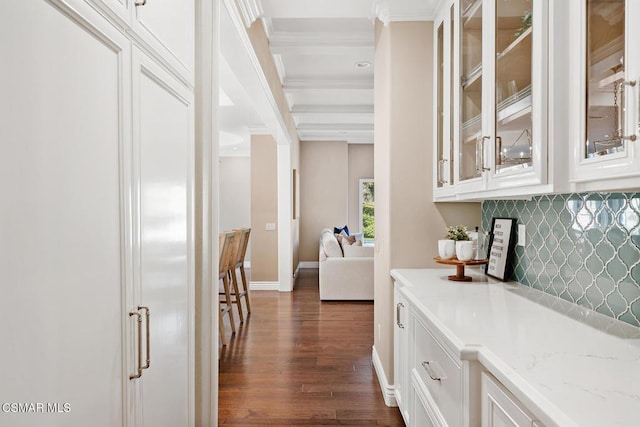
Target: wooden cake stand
459, 276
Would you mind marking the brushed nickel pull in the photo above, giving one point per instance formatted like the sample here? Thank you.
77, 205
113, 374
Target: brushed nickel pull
400, 325
138, 374
482, 167
141, 3
434, 372
147, 315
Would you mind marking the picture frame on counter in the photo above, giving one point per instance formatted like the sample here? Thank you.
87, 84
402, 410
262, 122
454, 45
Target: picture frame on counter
502, 239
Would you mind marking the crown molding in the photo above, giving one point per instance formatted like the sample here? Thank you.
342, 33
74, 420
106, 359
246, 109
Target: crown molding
250, 10
282, 73
319, 43
404, 10
335, 127
332, 109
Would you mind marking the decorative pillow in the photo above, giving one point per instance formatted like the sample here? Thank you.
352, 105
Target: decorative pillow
346, 241
358, 236
337, 230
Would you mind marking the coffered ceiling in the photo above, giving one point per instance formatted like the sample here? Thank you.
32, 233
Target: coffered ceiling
324, 53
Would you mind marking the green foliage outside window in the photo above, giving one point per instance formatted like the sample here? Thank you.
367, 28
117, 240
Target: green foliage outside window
368, 218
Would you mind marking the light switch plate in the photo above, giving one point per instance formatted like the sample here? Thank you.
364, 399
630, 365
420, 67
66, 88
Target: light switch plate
522, 235
271, 226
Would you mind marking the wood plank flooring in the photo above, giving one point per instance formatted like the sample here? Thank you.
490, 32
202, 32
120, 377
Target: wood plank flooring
300, 362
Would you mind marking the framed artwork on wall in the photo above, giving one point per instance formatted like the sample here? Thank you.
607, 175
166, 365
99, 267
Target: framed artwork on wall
502, 239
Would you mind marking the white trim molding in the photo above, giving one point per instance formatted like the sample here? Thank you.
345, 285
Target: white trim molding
264, 286
308, 264
251, 10
388, 390
404, 10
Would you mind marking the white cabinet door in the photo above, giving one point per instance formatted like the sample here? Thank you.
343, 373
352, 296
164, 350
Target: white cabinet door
500, 408
65, 284
606, 125
163, 138
401, 354
118, 9
167, 27
500, 97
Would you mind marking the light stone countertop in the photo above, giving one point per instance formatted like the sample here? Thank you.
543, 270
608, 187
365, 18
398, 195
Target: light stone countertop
569, 365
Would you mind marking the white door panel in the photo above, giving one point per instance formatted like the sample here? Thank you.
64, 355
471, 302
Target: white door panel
62, 281
164, 133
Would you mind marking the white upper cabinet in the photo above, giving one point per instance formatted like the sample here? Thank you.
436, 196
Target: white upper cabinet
167, 27
605, 56
164, 29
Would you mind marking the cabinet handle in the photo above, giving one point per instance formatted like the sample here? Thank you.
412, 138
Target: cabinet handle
400, 325
498, 150
434, 370
141, 3
633, 137
441, 163
147, 316
482, 167
138, 373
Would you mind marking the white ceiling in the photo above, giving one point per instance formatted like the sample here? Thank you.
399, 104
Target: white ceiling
316, 46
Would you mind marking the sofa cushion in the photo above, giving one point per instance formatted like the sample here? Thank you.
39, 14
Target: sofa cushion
330, 245
356, 251
346, 241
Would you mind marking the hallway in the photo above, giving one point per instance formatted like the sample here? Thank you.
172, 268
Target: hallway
298, 361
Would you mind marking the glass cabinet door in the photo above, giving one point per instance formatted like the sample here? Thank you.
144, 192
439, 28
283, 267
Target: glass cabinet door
605, 79
470, 136
513, 95
440, 176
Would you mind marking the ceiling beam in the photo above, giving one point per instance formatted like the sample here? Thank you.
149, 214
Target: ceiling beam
332, 109
292, 84
320, 43
335, 127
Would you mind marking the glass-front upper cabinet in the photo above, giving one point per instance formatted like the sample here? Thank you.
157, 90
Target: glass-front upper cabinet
443, 89
501, 95
608, 131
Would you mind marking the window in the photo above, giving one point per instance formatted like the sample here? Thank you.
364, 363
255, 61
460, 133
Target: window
367, 218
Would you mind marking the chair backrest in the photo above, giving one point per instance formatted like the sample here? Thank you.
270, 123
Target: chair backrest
244, 242
227, 241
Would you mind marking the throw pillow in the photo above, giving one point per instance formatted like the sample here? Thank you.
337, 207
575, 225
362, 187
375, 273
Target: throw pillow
347, 240
337, 230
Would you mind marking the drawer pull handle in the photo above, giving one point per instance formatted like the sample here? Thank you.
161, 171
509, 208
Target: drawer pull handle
398, 306
434, 370
138, 373
141, 3
148, 315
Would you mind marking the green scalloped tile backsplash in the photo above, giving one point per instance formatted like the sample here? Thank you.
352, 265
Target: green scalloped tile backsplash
584, 248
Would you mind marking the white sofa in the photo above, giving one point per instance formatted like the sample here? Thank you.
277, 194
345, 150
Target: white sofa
344, 275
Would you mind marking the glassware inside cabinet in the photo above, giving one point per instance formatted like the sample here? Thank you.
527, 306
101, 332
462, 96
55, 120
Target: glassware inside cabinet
470, 141
513, 98
605, 78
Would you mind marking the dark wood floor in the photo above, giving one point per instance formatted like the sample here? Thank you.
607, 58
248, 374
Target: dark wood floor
301, 362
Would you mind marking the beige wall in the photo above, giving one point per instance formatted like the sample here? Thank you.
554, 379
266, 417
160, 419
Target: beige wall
360, 166
264, 209
323, 192
235, 194
408, 223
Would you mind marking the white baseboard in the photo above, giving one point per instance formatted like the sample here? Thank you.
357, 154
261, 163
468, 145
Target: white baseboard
264, 286
388, 390
309, 264
247, 264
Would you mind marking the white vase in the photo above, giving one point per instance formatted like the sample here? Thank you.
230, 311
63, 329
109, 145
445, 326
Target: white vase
446, 248
464, 250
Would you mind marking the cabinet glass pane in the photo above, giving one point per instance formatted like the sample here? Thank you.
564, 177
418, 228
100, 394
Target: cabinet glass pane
471, 88
605, 74
452, 85
513, 84
440, 103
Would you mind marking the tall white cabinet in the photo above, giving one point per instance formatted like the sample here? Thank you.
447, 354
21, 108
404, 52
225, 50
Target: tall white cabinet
96, 220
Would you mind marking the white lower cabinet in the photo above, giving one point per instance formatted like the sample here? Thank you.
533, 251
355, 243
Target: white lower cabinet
400, 350
500, 408
438, 385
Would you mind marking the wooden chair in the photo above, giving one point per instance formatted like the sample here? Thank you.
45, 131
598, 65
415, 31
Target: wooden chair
242, 241
227, 240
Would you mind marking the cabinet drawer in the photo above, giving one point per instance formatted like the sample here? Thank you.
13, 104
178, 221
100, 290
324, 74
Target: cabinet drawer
500, 408
439, 372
